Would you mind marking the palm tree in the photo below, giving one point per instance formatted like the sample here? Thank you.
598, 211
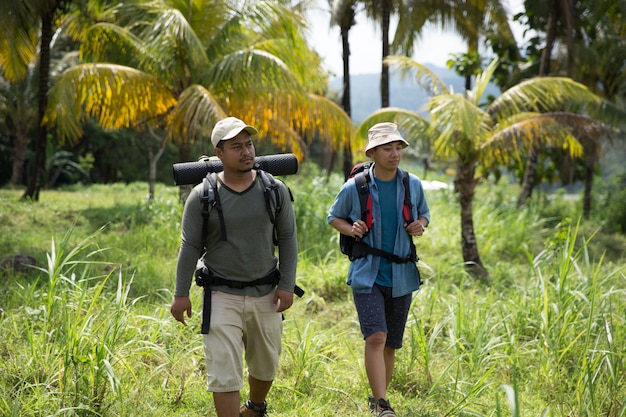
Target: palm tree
476, 136
593, 53
16, 108
552, 19
475, 19
589, 132
558, 12
342, 14
168, 82
379, 11
472, 20
28, 22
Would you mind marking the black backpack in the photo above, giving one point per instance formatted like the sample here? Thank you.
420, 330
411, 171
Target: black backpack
355, 248
211, 199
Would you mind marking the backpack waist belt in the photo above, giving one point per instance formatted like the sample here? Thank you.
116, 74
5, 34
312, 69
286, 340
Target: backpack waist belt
206, 279
361, 249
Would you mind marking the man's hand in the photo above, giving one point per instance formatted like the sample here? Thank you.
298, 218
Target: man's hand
180, 305
416, 228
282, 300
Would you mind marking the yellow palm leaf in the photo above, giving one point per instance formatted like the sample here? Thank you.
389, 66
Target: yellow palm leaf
116, 96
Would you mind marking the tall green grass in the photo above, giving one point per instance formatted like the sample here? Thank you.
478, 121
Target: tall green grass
88, 333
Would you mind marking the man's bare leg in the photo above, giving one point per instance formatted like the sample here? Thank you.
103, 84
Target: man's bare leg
227, 403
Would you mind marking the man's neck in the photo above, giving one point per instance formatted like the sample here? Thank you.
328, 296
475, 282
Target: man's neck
384, 174
237, 180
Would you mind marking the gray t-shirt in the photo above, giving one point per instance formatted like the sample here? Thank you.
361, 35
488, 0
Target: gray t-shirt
248, 253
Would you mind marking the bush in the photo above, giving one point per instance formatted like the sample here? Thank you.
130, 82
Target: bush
613, 210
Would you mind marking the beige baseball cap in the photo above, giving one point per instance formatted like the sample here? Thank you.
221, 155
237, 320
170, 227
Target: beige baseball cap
228, 128
382, 133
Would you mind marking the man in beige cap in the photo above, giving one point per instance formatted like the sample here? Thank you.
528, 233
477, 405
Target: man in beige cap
246, 287
384, 275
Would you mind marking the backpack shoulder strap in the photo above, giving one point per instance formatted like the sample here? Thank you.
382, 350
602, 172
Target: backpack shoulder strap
270, 188
361, 181
407, 210
210, 198
407, 207
271, 191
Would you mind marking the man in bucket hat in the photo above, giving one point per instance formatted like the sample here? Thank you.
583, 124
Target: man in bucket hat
382, 288
246, 287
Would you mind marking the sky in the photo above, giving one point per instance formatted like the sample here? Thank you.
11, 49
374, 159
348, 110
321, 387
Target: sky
434, 47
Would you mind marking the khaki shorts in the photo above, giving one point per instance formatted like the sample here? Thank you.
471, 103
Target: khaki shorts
238, 324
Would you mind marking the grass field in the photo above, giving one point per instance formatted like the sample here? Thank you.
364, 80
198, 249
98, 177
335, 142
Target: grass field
88, 333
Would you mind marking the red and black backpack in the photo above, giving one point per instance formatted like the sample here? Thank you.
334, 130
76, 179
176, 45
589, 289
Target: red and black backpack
355, 248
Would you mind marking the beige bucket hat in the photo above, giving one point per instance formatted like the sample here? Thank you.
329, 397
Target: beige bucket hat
382, 133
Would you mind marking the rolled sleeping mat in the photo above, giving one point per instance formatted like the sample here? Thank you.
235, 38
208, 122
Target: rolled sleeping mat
194, 172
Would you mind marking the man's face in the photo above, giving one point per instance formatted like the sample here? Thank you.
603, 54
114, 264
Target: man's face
237, 153
388, 155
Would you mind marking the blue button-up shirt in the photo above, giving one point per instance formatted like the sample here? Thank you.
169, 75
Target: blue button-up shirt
362, 272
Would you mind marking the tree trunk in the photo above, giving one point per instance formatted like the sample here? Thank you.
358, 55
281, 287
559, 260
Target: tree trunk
37, 165
530, 174
384, 75
465, 183
20, 145
346, 24
328, 160
348, 162
154, 159
567, 171
546, 54
567, 11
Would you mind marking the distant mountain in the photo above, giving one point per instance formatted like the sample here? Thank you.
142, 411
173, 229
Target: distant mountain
406, 94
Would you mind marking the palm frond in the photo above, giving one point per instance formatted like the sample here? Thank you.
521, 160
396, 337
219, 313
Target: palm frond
536, 131
226, 39
106, 42
556, 94
18, 43
460, 123
482, 82
206, 17
329, 121
603, 111
292, 121
338, 9
116, 96
194, 115
79, 19
542, 94
302, 62
248, 70
284, 38
423, 76
411, 21
499, 17
411, 124
273, 19
172, 38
